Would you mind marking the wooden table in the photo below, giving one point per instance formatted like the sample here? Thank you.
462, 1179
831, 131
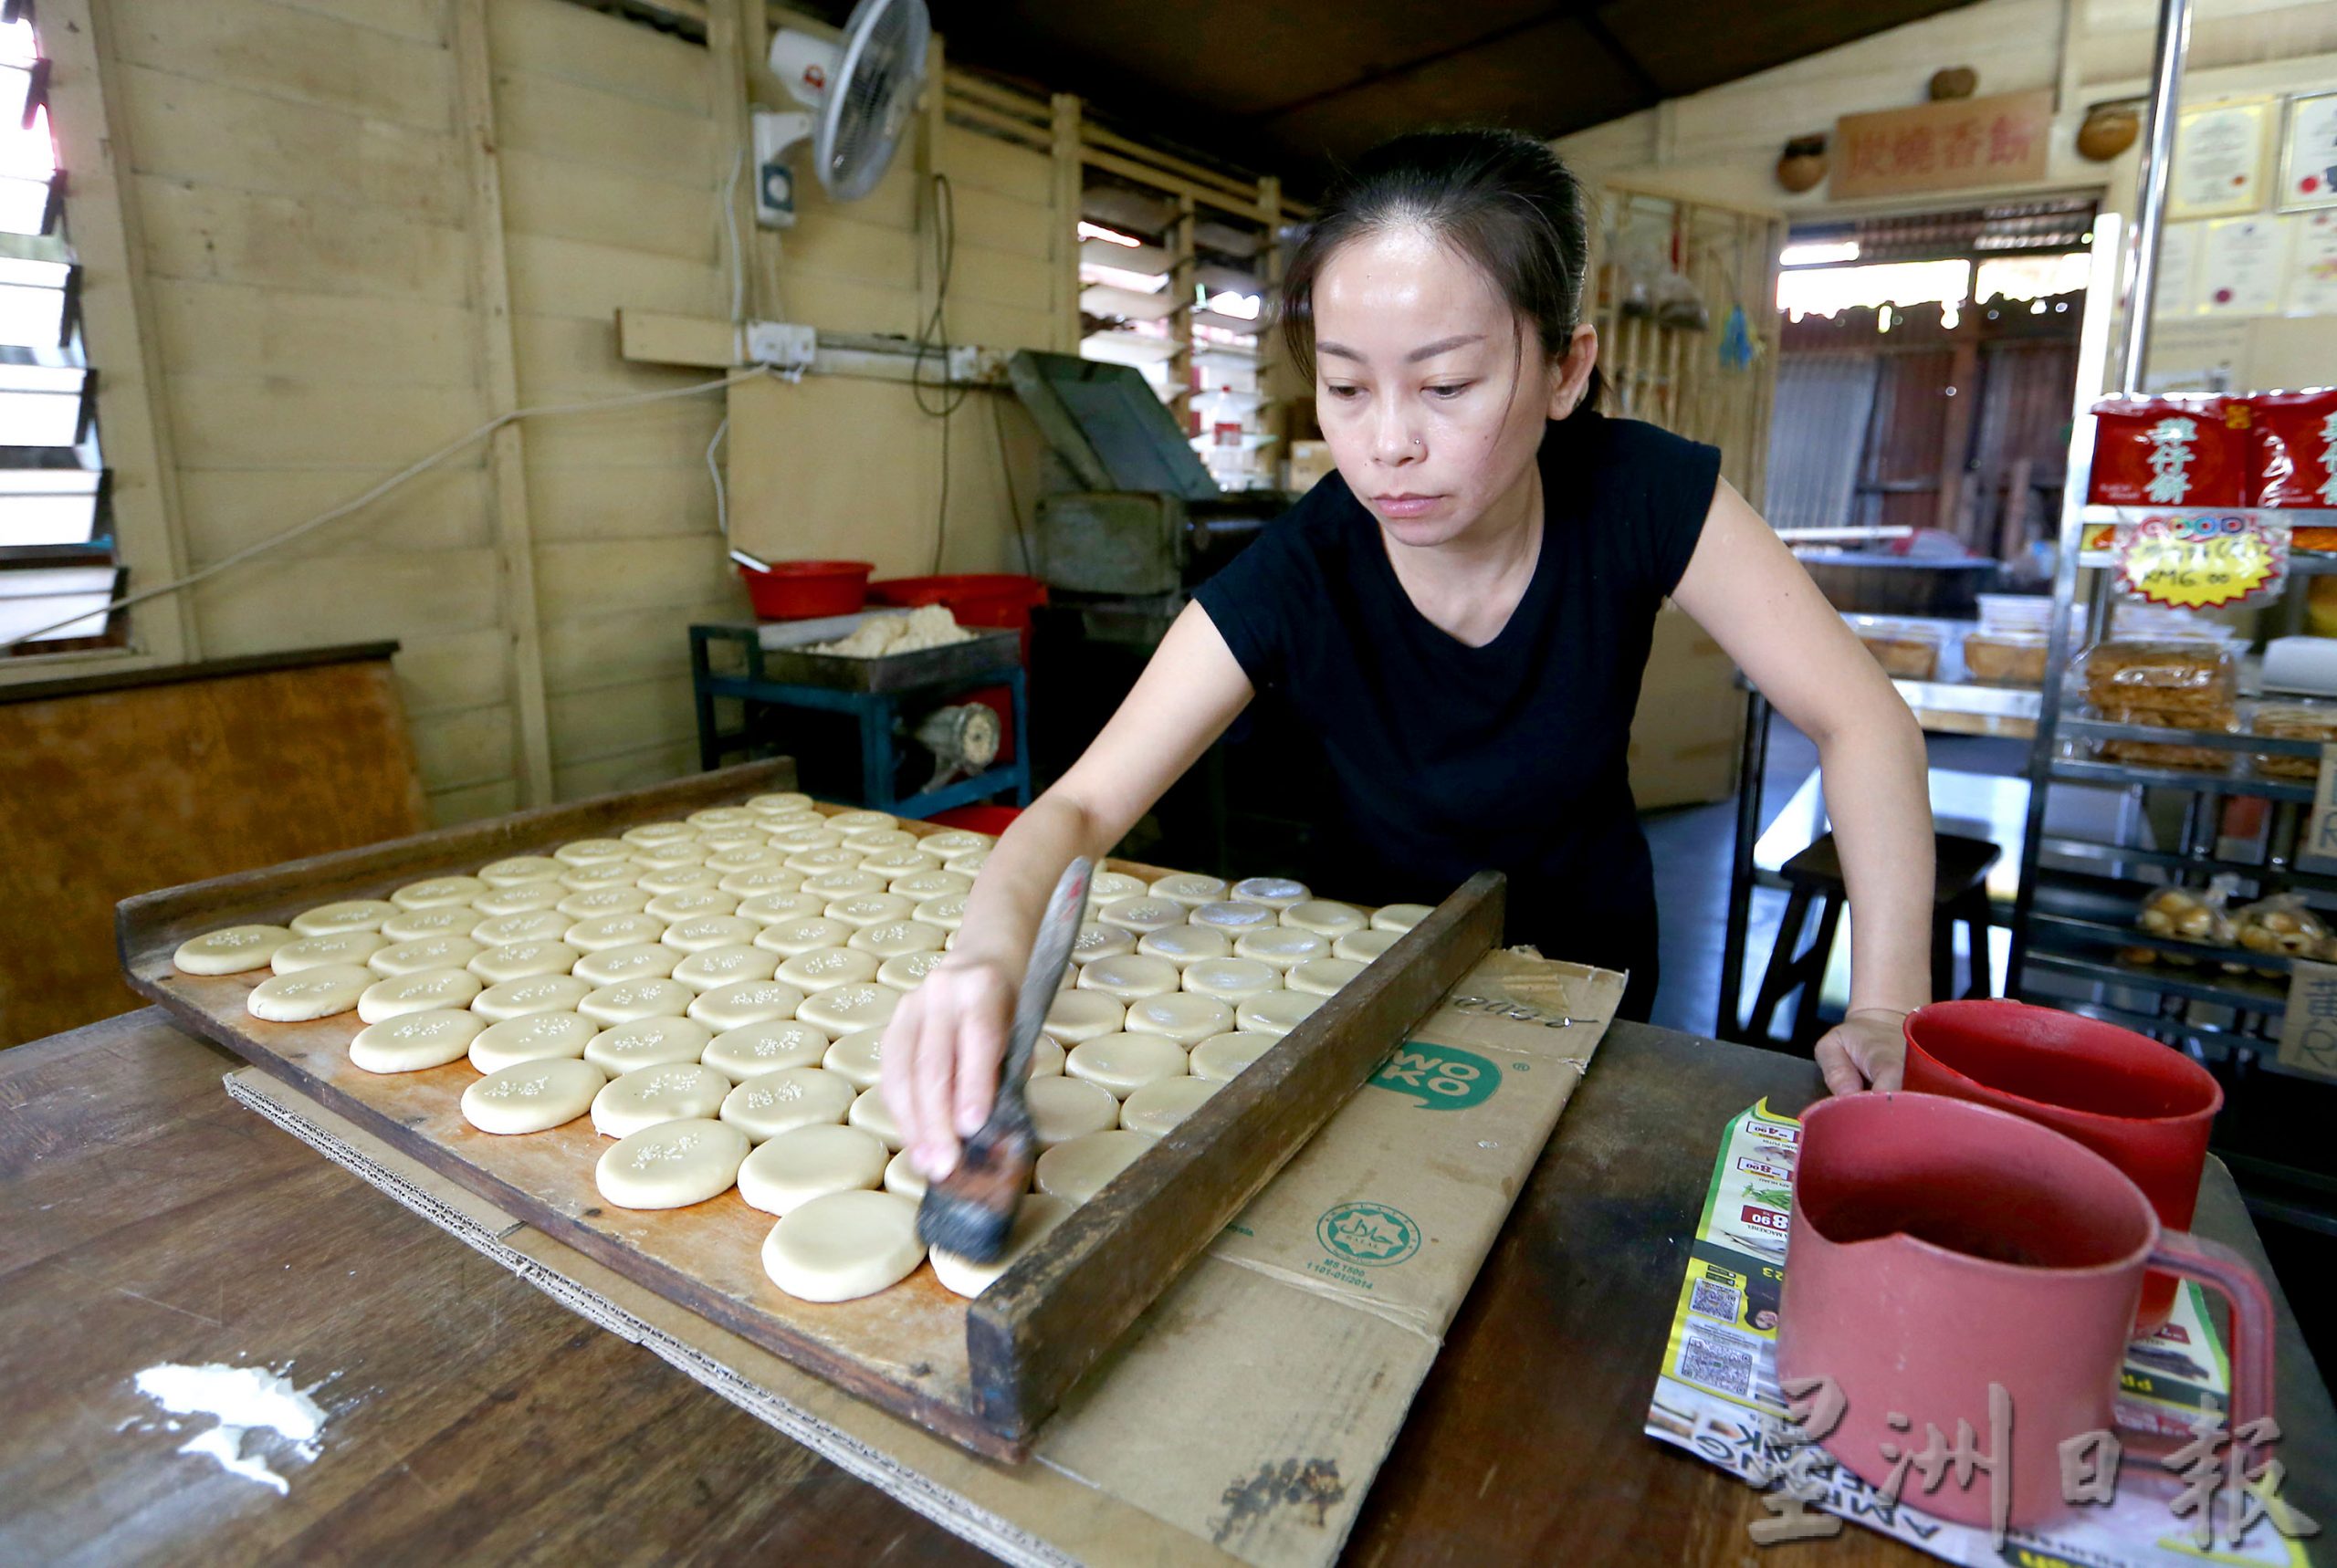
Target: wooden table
144, 1217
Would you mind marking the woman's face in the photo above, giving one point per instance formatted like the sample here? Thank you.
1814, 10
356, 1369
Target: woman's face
1431, 390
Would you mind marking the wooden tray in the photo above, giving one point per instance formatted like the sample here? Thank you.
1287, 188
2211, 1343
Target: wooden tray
982, 1373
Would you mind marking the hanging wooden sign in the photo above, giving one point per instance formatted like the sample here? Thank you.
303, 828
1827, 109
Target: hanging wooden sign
2200, 561
1945, 146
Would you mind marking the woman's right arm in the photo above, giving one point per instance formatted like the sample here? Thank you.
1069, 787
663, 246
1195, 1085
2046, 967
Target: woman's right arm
941, 1051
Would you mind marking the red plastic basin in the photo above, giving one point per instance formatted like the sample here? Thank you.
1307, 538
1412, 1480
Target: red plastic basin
977, 599
802, 590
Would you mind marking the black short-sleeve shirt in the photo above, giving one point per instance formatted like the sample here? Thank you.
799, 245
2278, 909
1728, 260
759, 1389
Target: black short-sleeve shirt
1450, 760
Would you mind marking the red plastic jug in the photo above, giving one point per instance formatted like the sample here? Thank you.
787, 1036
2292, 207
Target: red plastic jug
1940, 1246
2144, 1107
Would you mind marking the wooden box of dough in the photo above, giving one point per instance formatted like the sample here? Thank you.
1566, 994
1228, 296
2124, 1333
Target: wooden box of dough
983, 1373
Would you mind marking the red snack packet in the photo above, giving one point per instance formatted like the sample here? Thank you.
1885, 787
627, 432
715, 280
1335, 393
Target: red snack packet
2169, 452
2293, 448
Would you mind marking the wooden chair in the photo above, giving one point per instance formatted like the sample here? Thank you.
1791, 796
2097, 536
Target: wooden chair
1960, 893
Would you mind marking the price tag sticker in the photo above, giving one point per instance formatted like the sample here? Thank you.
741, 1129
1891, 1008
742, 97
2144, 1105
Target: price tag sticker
2200, 561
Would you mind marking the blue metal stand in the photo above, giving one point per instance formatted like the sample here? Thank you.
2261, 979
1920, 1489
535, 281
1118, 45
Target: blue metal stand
877, 713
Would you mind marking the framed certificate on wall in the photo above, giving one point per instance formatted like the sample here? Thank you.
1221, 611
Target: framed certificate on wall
2309, 152
2219, 169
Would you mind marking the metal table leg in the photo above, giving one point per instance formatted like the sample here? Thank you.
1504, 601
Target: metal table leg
1752, 765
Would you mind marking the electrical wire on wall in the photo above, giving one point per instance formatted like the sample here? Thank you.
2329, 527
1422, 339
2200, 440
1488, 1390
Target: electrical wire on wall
933, 338
412, 471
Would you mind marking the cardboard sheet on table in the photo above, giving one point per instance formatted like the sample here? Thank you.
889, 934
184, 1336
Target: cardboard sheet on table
1245, 1417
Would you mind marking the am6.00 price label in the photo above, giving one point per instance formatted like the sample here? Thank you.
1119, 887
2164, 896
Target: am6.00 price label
2198, 561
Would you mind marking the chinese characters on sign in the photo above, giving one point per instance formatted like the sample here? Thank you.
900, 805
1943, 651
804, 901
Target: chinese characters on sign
2308, 1022
2196, 560
2222, 1496
1943, 146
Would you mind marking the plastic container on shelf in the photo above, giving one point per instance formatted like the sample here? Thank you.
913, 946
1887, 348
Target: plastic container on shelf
804, 590
1907, 649
2000, 658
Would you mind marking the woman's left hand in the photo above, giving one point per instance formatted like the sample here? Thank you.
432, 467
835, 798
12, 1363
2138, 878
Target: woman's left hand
1867, 1049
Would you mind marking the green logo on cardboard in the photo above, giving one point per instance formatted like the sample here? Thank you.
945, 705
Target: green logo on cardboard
1371, 1234
1440, 1077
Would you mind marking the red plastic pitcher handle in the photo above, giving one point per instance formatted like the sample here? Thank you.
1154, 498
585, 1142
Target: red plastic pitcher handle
2220, 1269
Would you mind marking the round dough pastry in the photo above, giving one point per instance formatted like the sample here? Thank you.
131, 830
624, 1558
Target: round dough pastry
909, 971
1077, 1171
852, 823
1181, 945
951, 841
1362, 947
533, 1096
885, 840
696, 936
902, 1176
1128, 977
631, 1000
592, 852
677, 882
519, 998
802, 935
1399, 917
599, 876
746, 835
1273, 891
603, 902
744, 1002
1190, 889
1323, 917
949, 911
754, 1049
431, 953
856, 1057
1109, 886
868, 908
774, 910
1187, 1017
1222, 1056
659, 833
534, 926
843, 1245
723, 817
897, 939
531, 1037
745, 857
422, 924
416, 1040
795, 838
751, 885
521, 869
613, 931
672, 1166
1079, 1016
786, 1172
841, 1009
1284, 947
825, 968
349, 915
693, 902
1141, 914
1096, 940
871, 1114
313, 993
1038, 1215
633, 961
812, 863
1321, 976
1278, 1012
779, 802
713, 968
677, 1091
438, 893
1157, 1107
231, 949
1064, 1108
520, 898
918, 886
1123, 1063
659, 858
903, 862
340, 947
650, 1043
1047, 1059
1235, 918
418, 992
1231, 979
785, 1098
526, 960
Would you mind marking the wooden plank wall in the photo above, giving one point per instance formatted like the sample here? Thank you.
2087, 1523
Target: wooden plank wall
310, 191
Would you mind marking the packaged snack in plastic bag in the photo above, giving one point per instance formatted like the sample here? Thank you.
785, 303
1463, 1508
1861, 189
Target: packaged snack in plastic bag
2179, 679
2191, 915
2301, 718
2293, 448
2280, 925
2170, 452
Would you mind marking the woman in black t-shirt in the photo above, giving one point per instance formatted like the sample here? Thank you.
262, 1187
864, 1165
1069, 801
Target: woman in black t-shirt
1463, 614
